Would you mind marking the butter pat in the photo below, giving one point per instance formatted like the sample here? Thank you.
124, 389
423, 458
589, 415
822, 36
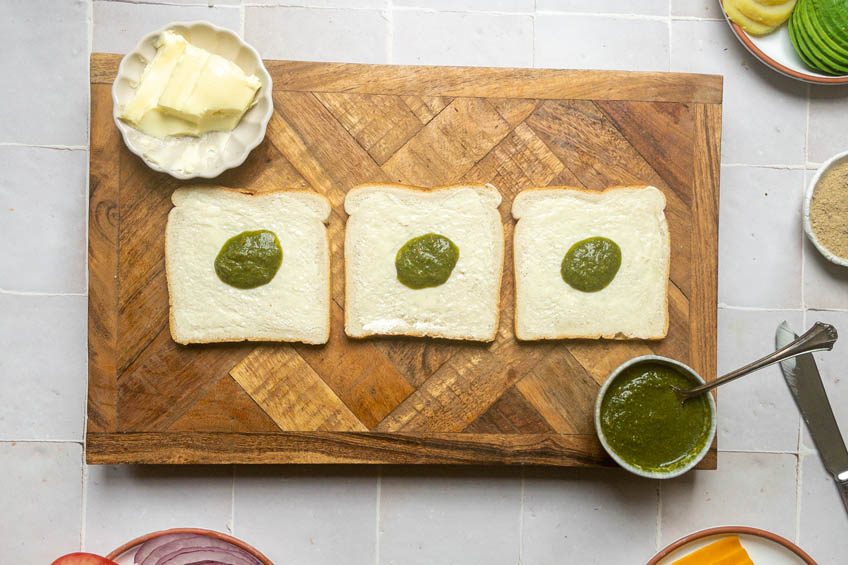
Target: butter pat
186, 90
169, 49
726, 551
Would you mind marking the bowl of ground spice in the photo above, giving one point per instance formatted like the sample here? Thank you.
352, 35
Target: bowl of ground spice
826, 210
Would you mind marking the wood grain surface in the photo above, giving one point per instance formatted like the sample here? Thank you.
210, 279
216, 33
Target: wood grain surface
396, 400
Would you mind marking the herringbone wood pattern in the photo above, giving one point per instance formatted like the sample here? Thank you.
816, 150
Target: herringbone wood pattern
395, 399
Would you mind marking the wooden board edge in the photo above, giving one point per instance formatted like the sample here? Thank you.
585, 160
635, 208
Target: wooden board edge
704, 316
350, 448
103, 225
704, 236
344, 447
479, 82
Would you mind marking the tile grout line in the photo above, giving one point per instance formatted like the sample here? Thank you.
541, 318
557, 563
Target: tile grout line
242, 13
607, 15
90, 23
759, 452
804, 182
308, 6
724, 306
669, 36
390, 36
84, 501
533, 35
87, 219
84, 478
304, 6
377, 517
801, 454
29, 293
198, 4
45, 145
695, 19
658, 540
522, 488
232, 525
766, 166
799, 488
80, 442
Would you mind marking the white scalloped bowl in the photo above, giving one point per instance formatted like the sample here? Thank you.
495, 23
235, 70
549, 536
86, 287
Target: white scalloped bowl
211, 154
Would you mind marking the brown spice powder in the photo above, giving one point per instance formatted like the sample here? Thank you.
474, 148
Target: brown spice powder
829, 210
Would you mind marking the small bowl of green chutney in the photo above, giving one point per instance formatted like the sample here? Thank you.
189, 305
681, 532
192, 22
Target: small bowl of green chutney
643, 425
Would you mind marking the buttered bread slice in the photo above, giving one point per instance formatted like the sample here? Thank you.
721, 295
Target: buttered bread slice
248, 267
423, 262
591, 264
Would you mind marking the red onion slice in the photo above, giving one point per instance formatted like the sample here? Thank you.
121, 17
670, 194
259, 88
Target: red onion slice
204, 555
193, 543
150, 545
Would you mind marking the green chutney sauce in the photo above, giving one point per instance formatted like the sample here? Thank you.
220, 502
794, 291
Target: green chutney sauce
426, 261
250, 259
645, 424
591, 264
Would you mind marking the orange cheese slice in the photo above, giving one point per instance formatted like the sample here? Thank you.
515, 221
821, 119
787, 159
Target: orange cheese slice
726, 551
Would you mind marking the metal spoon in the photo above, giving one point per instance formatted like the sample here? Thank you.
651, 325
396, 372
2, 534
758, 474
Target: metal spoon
820, 337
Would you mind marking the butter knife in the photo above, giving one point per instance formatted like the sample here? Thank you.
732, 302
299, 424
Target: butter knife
804, 382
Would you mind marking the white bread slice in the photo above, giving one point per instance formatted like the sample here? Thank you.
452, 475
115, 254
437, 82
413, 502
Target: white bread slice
293, 306
550, 221
383, 217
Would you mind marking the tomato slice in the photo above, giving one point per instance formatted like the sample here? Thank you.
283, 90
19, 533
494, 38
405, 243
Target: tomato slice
82, 559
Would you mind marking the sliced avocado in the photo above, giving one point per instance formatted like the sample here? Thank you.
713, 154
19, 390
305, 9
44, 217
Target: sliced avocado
833, 22
793, 36
834, 47
835, 11
837, 45
804, 46
833, 15
820, 62
820, 42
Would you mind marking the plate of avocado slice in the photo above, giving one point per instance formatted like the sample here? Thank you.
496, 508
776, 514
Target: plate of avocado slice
803, 39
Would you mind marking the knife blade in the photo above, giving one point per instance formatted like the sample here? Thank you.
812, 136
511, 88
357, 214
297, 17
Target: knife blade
802, 377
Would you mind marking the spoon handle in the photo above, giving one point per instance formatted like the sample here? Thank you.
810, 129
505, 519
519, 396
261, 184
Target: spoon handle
818, 338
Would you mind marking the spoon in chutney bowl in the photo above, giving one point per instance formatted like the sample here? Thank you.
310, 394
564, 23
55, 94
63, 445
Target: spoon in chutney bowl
820, 337
653, 418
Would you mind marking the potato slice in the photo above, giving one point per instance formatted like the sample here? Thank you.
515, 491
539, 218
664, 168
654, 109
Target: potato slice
746, 23
772, 15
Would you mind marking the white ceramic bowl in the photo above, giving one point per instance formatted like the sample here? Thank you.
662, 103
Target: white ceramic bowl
808, 198
654, 474
213, 153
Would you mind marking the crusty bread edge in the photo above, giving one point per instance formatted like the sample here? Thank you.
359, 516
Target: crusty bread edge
617, 336
365, 335
325, 221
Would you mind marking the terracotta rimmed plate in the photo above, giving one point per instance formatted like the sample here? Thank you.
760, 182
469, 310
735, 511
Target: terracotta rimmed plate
775, 50
124, 554
764, 548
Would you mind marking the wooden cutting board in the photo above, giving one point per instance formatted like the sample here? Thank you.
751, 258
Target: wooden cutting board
396, 400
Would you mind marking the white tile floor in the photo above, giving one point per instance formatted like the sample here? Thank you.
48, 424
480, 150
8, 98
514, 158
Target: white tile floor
592, 516
316, 515
450, 516
775, 130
